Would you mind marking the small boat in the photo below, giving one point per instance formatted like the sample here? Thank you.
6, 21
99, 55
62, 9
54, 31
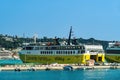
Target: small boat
68, 68
17, 69
31, 69
47, 69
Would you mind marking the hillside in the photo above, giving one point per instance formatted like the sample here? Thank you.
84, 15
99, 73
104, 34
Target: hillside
12, 42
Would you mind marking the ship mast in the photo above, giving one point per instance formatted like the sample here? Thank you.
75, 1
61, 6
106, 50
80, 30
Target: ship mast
69, 38
35, 38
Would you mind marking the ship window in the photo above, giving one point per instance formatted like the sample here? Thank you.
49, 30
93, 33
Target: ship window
83, 51
53, 47
51, 52
73, 52
79, 52
113, 51
37, 48
29, 48
68, 52
60, 52
43, 52
24, 48
56, 52
42, 48
65, 52
46, 52
48, 48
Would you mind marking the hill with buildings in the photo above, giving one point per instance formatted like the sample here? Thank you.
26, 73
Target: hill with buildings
12, 42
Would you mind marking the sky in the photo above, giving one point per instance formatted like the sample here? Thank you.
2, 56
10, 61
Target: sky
99, 19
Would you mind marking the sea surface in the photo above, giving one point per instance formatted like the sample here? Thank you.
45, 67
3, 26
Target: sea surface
10, 61
96, 74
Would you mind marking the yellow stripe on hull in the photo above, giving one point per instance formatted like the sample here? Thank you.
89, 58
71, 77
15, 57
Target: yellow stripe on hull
112, 58
61, 59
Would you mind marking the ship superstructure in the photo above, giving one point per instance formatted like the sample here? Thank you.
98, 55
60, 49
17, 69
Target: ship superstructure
113, 52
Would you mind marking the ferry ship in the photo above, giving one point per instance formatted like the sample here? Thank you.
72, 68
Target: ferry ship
66, 52
113, 52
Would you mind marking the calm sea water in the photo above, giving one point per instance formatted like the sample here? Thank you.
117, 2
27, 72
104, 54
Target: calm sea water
103, 74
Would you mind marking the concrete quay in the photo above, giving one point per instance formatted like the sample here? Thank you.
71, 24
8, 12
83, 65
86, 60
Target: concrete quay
28, 67
51, 67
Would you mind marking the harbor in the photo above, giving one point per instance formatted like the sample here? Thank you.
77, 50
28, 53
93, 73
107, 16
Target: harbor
59, 40
69, 54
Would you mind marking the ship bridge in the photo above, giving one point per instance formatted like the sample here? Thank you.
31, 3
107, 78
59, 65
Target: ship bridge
94, 52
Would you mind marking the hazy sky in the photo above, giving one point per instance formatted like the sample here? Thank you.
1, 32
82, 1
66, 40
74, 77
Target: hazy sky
99, 19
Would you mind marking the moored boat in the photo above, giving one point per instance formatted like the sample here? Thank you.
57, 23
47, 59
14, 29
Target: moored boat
68, 68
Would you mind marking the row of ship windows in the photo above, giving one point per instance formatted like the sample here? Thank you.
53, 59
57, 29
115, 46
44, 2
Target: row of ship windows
52, 48
59, 52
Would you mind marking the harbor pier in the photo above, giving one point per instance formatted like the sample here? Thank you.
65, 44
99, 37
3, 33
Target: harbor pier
55, 67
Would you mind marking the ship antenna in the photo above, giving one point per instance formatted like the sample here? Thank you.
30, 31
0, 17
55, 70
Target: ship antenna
70, 35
